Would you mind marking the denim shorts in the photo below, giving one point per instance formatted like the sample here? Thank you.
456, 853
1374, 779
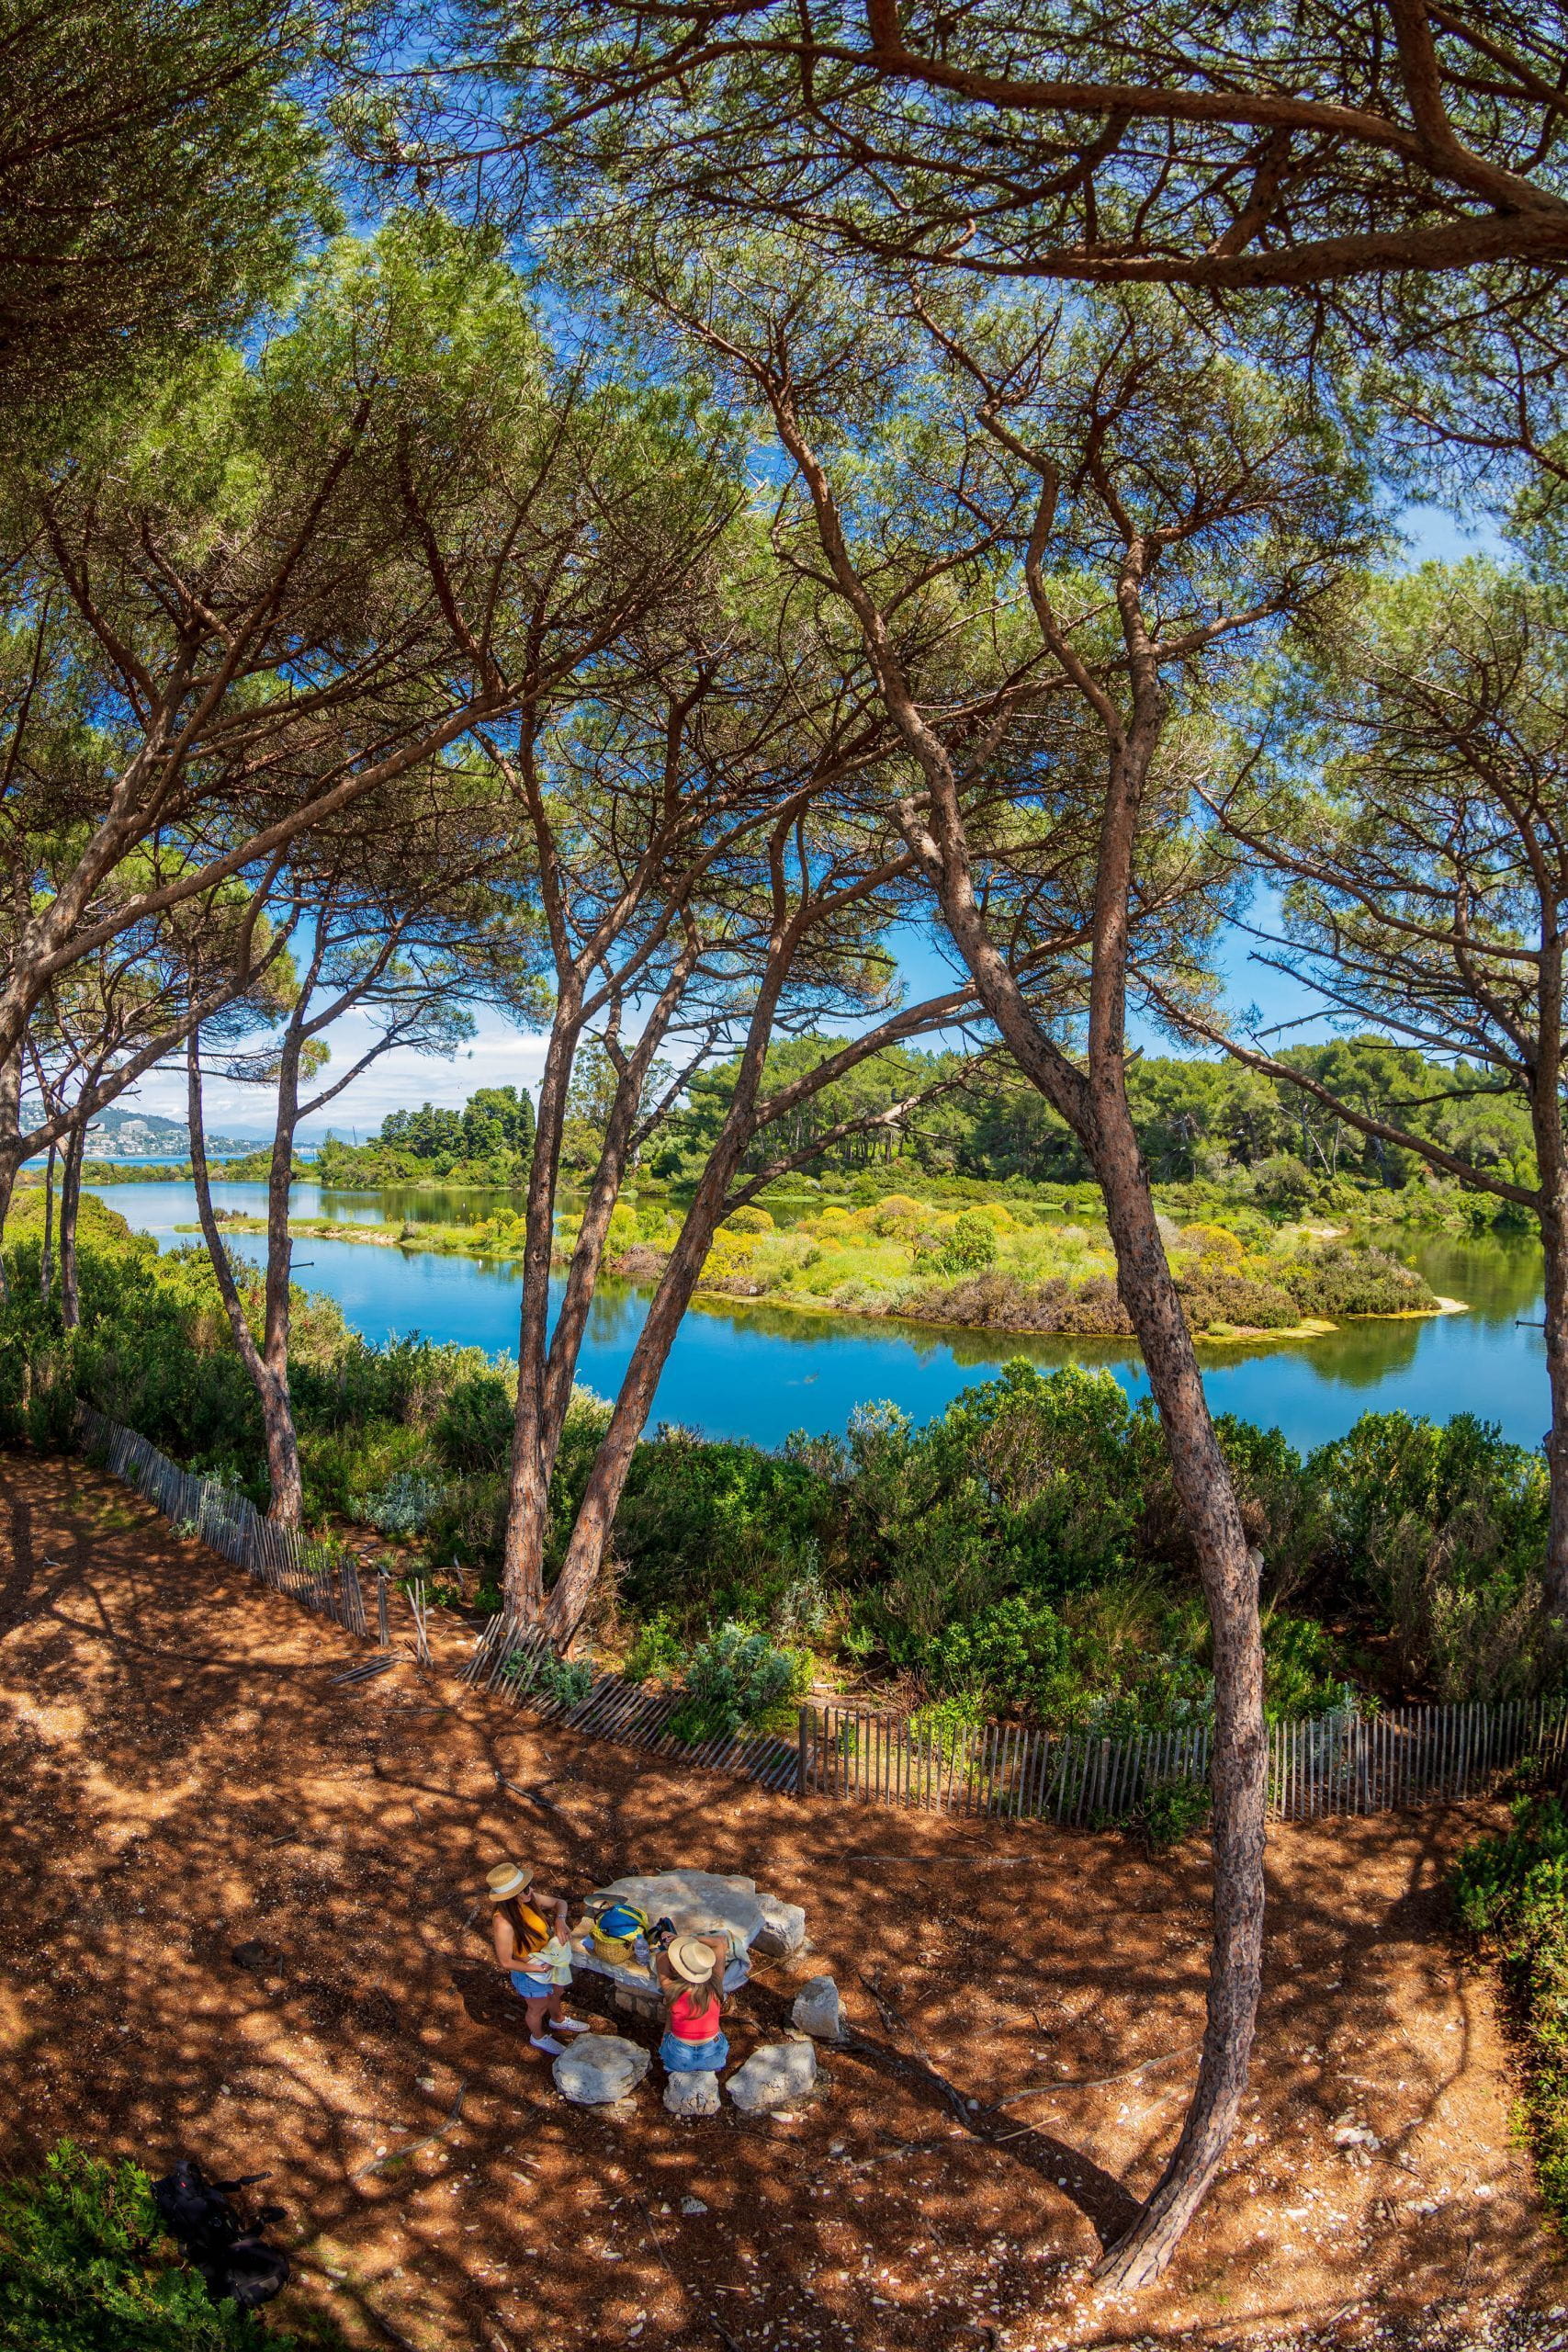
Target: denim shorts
532, 1988
679, 2057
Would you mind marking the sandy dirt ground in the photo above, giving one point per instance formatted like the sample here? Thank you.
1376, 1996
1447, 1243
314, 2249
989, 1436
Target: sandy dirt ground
184, 1778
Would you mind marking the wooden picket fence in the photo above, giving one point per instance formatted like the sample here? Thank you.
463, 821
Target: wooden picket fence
1341, 1763
325, 1579
1345, 1762
521, 1663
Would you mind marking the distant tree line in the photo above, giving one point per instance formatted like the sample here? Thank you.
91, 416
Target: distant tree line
489, 1141
1198, 1120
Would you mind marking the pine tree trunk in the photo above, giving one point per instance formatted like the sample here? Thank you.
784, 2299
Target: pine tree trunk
574, 1587
1554, 1310
10, 1136
1240, 1769
46, 1256
287, 1505
70, 1201
528, 1497
276, 1413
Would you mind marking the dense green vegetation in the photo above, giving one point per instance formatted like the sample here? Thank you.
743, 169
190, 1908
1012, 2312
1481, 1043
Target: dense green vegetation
1023, 1552
85, 2266
1011, 1266
1201, 1123
1512, 1891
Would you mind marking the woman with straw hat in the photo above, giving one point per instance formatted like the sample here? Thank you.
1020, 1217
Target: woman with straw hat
688, 1969
537, 1962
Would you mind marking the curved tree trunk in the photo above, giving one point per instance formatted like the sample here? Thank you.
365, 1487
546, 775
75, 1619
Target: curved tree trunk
10, 1134
579, 1570
288, 1507
528, 1498
1240, 1769
46, 1256
278, 1417
70, 1201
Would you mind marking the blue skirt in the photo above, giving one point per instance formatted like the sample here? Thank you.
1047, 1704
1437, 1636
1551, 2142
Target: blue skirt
693, 2057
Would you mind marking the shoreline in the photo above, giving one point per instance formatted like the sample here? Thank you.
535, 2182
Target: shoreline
382, 1236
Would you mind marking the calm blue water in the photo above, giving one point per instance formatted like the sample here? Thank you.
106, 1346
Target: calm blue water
739, 1371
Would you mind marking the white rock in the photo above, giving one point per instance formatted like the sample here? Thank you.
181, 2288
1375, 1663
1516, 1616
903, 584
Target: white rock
782, 1931
692, 2205
600, 2068
780, 2074
817, 2009
692, 2094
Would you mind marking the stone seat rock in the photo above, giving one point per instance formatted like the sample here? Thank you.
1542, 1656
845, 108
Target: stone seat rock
600, 2068
818, 2011
782, 1931
693, 2093
780, 2074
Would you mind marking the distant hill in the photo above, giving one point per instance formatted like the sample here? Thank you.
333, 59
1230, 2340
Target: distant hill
143, 1134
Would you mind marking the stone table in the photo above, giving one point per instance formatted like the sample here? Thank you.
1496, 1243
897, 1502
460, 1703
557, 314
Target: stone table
700, 1903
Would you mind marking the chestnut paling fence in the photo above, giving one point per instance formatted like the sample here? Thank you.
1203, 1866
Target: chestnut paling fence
1341, 1763
321, 1576
1346, 1762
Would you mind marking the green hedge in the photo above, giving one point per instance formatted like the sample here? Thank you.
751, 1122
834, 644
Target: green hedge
85, 2268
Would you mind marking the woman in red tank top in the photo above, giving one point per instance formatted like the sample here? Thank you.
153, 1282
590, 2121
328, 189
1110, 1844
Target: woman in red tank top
694, 2042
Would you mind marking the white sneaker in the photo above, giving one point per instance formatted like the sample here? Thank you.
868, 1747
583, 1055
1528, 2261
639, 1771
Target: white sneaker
570, 2025
548, 2044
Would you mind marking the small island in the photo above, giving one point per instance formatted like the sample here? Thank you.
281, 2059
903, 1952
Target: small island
1034, 1267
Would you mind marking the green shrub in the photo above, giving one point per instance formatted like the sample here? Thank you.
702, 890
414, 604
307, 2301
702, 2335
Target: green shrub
948, 1722
1444, 1530
1513, 1891
568, 1681
473, 1430
732, 1682
405, 1506
747, 1220
1171, 1809
657, 1652
1017, 1653
85, 2268
971, 1247
1301, 1672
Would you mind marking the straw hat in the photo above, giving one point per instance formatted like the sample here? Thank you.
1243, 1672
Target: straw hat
691, 1959
506, 1879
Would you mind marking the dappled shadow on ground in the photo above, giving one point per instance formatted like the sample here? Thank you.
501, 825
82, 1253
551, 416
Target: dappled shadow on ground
187, 1782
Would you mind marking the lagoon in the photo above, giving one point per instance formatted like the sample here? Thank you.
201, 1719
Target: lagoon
745, 1371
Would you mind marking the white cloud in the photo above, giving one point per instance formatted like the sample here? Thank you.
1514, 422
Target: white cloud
497, 1055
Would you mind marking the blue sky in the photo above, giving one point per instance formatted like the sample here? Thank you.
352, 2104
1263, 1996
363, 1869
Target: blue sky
500, 1055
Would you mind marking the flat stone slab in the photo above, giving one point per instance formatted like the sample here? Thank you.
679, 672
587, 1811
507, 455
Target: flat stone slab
692, 2094
699, 1901
600, 2068
780, 2074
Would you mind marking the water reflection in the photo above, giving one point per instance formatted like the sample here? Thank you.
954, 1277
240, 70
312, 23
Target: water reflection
744, 1370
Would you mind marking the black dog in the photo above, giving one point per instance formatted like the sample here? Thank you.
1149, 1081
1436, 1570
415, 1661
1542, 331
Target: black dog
235, 2261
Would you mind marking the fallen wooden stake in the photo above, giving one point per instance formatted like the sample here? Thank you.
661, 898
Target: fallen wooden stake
535, 1796
370, 1667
